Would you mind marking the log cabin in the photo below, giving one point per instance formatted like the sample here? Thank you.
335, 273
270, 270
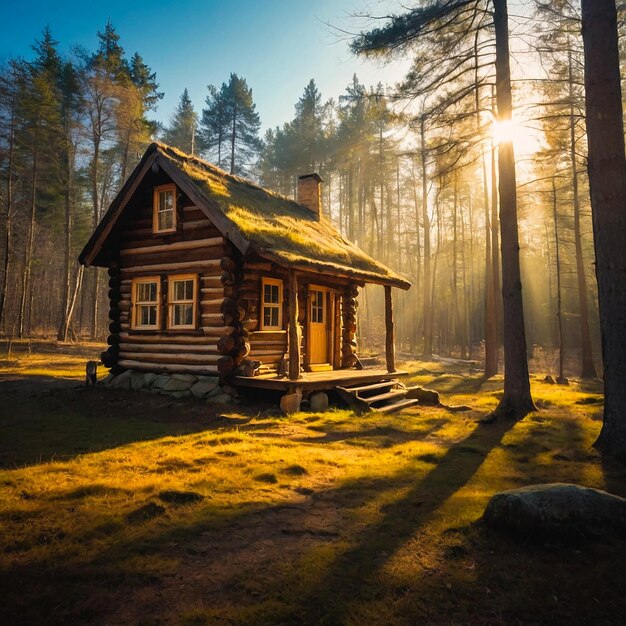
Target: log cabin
211, 274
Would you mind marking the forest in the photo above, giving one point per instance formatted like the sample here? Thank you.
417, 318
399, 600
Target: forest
490, 488
410, 175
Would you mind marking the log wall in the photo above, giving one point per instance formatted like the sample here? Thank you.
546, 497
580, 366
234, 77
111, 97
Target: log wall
197, 247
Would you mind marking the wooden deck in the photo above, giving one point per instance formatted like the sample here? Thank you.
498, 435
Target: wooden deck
317, 381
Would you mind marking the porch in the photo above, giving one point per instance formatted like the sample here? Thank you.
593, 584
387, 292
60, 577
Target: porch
318, 381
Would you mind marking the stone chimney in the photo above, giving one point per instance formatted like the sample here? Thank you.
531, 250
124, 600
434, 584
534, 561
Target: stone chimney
309, 192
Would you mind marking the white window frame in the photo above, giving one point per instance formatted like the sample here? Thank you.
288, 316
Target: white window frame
171, 301
276, 282
156, 208
136, 303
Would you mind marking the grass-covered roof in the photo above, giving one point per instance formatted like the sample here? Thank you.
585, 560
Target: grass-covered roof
277, 227
273, 226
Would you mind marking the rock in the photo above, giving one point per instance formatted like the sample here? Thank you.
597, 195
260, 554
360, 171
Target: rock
180, 497
148, 379
222, 398
214, 392
425, 396
562, 381
175, 384
202, 388
548, 379
122, 381
318, 402
556, 510
209, 379
186, 378
290, 402
137, 380
107, 379
180, 394
160, 381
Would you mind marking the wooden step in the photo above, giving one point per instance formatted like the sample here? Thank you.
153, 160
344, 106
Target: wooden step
395, 393
372, 387
396, 406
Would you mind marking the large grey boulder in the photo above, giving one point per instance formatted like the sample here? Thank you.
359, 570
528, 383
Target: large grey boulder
556, 510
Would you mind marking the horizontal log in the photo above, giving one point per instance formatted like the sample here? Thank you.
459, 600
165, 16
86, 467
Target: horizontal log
170, 347
212, 317
254, 352
211, 291
226, 344
191, 244
213, 330
227, 264
167, 367
169, 357
212, 280
162, 338
181, 256
269, 335
186, 265
259, 265
200, 229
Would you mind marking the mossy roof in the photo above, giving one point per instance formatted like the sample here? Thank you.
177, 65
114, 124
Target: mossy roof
273, 226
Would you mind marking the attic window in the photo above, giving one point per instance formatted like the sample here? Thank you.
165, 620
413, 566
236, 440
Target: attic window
164, 209
272, 313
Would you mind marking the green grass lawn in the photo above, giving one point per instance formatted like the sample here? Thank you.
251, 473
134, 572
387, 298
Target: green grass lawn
312, 518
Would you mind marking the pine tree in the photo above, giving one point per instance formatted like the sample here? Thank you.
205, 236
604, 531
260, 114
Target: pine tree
242, 125
181, 132
214, 126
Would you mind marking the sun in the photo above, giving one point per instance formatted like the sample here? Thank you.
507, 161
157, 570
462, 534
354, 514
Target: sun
525, 140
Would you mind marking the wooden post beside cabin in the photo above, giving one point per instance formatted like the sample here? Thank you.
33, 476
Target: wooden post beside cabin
389, 340
294, 334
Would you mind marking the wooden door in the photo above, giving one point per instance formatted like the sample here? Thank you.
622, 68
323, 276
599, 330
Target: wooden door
320, 326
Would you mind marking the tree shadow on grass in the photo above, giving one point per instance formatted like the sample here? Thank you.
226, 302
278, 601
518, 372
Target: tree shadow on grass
353, 574
43, 424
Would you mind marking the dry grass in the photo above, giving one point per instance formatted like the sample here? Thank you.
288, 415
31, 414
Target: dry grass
313, 518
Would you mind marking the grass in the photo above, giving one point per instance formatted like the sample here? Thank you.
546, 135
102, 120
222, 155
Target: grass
313, 518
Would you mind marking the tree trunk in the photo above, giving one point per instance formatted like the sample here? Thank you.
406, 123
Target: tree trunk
233, 138
28, 250
427, 350
63, 326
8, 225
516, 401
588, 366
607, 181
96, 218
559, 299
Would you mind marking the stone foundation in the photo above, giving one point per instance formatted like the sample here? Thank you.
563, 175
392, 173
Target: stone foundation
205, 388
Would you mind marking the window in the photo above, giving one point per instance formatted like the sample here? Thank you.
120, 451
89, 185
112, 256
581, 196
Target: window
164, 209
317, 306
272, 315
182, 301
146, 297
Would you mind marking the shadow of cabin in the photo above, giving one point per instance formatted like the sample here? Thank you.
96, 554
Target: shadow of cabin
210, 274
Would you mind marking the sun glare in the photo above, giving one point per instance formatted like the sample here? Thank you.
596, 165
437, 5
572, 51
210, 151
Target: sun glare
524, 139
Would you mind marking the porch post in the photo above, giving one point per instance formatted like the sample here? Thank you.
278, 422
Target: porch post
294, 330
389, 347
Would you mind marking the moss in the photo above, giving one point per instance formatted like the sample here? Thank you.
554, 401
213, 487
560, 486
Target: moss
278, 227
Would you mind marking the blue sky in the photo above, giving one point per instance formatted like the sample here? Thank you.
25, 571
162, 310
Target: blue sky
277, 45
